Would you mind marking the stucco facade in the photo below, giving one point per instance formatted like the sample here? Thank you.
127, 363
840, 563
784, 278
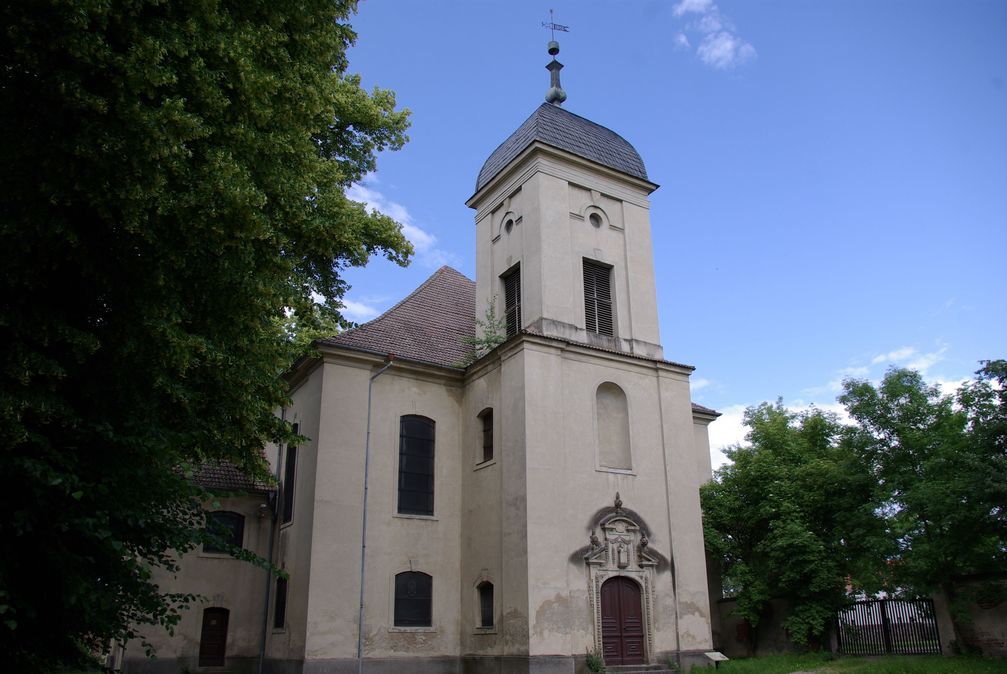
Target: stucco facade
559, 472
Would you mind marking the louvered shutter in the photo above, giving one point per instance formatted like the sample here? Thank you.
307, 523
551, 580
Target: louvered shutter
598, 298
512, 301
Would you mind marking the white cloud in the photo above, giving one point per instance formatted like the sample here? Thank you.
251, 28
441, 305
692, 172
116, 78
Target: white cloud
693, 7
910, 357
927, 360
719, 47
729, 429
427, 252
898, 355
696, 384
358, 311
724, 50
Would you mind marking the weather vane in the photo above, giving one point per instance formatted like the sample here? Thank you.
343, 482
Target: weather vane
553, 27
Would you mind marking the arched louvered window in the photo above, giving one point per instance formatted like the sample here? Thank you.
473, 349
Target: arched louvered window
512, 299
416, 465
598, 298
413, 599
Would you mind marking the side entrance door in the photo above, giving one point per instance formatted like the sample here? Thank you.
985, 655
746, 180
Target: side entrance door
621, 622
213, 639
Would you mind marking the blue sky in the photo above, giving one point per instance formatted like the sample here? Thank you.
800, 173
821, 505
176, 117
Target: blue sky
833, 174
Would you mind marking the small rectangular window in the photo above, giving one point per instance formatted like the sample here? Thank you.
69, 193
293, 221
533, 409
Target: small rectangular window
289, 474
598, 298
280, 604
512, 299
486, 417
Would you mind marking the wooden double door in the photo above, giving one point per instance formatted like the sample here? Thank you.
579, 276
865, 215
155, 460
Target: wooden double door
622, 631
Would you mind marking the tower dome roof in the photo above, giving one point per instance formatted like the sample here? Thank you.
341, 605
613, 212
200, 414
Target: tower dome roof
552, 125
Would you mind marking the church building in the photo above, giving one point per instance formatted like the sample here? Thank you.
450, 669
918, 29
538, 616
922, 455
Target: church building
507, 511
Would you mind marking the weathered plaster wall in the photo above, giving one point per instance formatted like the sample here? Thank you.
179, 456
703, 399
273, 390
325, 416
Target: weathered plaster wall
395, 543
220, 581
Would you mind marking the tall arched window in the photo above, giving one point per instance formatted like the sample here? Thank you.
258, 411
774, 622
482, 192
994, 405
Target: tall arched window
613, 427
413, 599
416, 465
485, 589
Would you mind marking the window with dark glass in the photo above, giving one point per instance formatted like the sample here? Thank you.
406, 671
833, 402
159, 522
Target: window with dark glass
289, 474
413, 599
486, 420
485, 604
416, 465
598, 297
512, 300
227, 530
280, 604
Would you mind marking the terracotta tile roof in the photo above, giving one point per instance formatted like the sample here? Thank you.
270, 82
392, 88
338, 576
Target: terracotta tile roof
225, 476
561, 128
429, 326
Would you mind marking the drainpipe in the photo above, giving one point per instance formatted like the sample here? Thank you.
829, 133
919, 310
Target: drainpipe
389, 359
272, 538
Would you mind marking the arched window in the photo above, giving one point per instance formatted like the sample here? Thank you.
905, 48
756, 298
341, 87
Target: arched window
613, 427
228, 529
485, 604
486, 421
416, 465
413, 599
213, 637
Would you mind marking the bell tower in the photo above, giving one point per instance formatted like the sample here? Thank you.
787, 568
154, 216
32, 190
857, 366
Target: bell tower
563, 232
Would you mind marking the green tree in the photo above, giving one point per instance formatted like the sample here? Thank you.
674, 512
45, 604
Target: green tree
173, 180
793, 517
941, 462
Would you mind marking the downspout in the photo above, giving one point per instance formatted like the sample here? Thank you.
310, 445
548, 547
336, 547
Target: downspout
269, 558
363, 523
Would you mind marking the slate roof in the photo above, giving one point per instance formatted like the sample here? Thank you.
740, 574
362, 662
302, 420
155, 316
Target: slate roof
428, 326
560, 128
704, 410
225, 476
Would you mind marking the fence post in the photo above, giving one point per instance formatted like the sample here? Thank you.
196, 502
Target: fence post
886, 626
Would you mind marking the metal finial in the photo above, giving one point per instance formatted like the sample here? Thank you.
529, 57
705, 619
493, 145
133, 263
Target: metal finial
555, 95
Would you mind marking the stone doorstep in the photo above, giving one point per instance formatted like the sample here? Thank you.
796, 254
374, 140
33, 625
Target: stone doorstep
638, 669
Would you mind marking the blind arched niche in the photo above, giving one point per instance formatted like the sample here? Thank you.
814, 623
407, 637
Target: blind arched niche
613, 427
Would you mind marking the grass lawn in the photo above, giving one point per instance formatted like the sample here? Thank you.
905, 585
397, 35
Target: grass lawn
823, 663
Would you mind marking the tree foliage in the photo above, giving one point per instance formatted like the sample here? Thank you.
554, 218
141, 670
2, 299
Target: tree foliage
905, 498
792, 517
173, 178
941, 462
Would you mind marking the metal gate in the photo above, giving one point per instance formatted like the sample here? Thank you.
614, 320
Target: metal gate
882, 626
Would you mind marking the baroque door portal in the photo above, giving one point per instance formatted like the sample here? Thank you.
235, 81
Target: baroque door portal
622, 622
